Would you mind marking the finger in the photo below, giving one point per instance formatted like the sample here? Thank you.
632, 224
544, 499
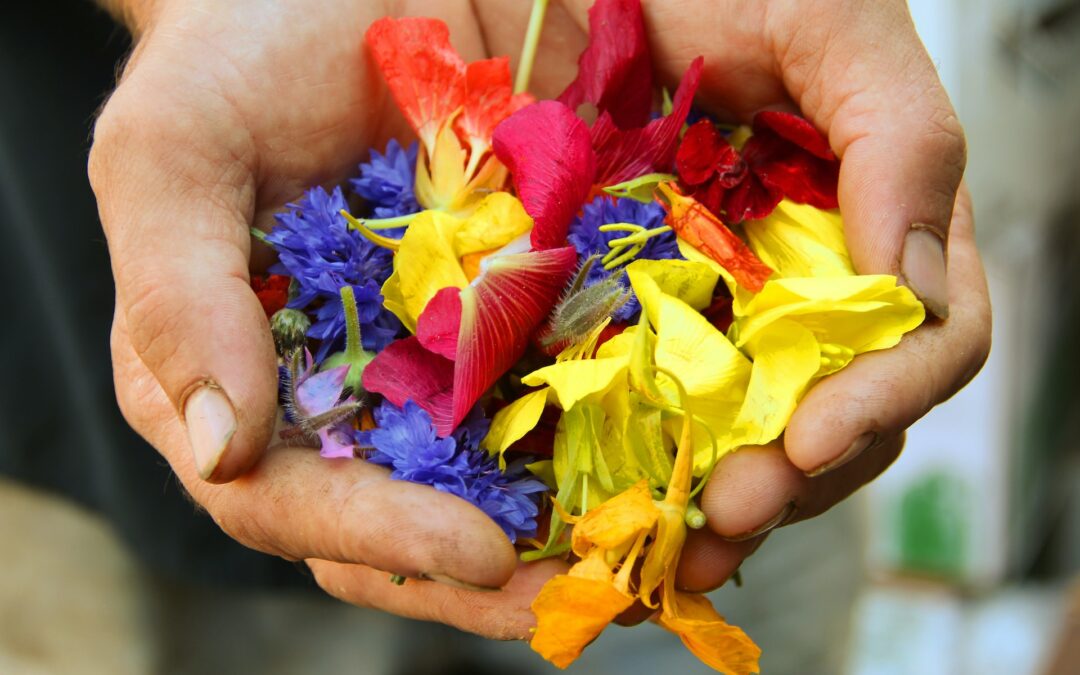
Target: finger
862, 75
708, 560
882, 393
174, 195
756, 490
296, 504
503, 615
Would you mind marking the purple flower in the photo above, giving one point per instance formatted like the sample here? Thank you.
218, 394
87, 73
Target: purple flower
386, 182
585, 236
315, 404
318, 250
405, 440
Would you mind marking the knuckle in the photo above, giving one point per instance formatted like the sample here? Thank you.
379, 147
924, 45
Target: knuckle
237, 521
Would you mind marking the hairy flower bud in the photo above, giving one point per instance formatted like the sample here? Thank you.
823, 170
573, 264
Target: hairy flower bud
289, 328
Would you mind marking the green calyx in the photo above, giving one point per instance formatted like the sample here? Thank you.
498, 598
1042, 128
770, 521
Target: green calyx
354, 355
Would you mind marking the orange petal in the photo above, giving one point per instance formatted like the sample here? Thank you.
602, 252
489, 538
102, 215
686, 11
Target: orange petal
570, 613
618, 521
696, 225
718, 644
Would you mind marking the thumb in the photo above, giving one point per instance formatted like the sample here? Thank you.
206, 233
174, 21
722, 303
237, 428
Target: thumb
902, 148
179, 243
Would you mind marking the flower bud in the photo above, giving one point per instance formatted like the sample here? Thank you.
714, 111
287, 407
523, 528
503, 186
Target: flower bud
289, 328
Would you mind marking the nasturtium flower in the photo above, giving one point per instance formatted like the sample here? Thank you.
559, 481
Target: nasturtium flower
386, 181
405, 440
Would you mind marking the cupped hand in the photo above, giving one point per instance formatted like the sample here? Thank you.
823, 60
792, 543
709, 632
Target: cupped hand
224, 114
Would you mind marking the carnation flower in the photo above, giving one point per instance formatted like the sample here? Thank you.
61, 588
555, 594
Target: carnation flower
585, 236
386, 181
316, 247
405, 440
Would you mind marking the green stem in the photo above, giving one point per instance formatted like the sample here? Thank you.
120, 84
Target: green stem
353, 348
528, 50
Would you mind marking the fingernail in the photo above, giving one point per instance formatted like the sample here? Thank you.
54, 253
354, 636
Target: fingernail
923, 266
455, 583
211, 423
857, 447
776, 521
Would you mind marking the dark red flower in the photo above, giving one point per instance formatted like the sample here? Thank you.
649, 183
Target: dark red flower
272, 291
786, 157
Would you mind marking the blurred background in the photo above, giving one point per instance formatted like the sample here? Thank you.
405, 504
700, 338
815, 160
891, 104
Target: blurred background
963, 558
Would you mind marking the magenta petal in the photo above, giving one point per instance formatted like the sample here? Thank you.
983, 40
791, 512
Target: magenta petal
438, 325
499, 314
337, 441
405, 370
321, 392
624, 155
549, 154
615, 70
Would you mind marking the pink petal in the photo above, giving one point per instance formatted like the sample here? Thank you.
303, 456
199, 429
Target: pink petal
615, 70
499, 313
321, 392
624, 155
547, 149
438, 325
405, 370
336, 442
424, 73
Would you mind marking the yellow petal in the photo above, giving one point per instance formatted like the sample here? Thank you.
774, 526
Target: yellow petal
570, 613
691, 282
696, 256
718, 644
574, 380
787, 358
797, 240
862, 313
514, 421
618, 521
441, 178
424, 264
498, 219
664, 553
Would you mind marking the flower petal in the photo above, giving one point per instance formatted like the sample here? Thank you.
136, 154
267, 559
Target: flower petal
321, 391
701, 229
790, 157
500, 311
424, 264
547, 149
618, 521
570, 613
615, 70
704, 153
794, 129
514, 421
405, 370
798, 240
720, 645
489, 100
425, 75
622, 155
439, 324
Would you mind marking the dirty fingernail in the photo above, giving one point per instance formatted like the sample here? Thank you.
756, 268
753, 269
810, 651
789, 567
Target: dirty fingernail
923, 265
857, 447
776, 521
211, 423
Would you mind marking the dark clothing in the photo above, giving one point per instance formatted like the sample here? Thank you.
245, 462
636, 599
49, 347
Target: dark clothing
61, 426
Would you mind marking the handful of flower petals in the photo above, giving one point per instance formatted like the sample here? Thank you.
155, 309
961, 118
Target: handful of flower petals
568, 324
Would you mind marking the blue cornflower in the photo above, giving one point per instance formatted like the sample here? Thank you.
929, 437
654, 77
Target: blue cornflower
405, 440
585, 236
386, 182
318, 250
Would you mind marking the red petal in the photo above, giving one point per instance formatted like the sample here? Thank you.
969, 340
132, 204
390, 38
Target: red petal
787, 169
696, 225
615, 70
751, 199
547, 149
272, 291
499, 313
705, 154
438, 326
489, 99
424, 73
624, 155
405, 370
795, 129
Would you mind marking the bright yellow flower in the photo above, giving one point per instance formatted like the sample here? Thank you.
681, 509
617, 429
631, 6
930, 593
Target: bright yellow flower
798, 240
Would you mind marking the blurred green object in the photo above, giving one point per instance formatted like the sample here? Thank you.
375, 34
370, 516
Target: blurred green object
933, 526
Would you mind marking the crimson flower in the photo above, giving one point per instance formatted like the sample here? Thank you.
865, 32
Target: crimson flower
785, 157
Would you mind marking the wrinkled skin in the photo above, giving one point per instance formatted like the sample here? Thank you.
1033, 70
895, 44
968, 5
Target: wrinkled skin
228, 110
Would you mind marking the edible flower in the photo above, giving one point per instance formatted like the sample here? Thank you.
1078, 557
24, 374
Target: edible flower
386, 181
